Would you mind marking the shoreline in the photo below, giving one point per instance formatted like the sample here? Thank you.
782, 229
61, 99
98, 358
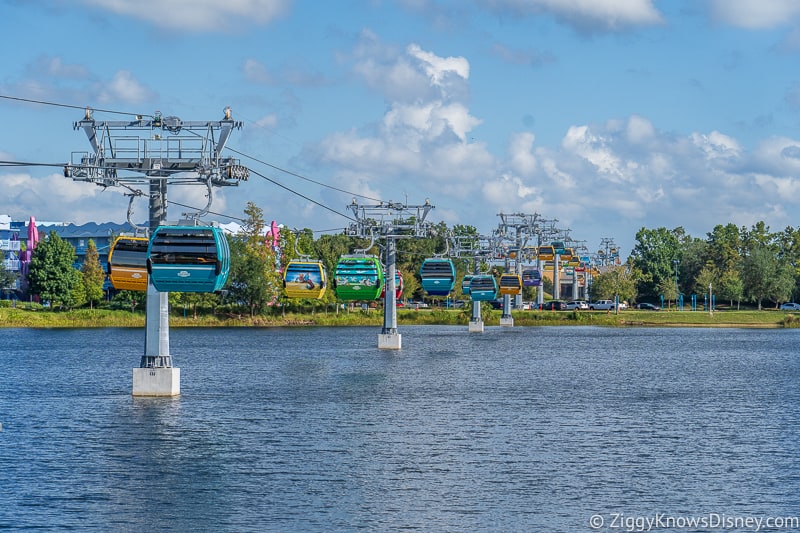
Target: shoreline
103, 318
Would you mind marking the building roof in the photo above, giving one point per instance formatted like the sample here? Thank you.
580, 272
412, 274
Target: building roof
89, 230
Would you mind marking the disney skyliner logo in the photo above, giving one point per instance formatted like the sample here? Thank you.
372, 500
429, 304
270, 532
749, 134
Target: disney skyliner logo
631, 524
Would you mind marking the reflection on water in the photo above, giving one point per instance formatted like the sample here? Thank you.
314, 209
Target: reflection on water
315, 429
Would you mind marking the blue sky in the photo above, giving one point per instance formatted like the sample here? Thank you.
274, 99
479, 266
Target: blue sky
608, 115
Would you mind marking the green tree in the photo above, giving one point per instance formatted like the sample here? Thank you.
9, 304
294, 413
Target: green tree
8, 279
765, 276
193, 300
668, 290
758, 236
77, 296
693, 260
708, 276
653, 256
132, 299
615, 282
731, 287
789, 245
93, 275
724, 247
254, 279
51, 274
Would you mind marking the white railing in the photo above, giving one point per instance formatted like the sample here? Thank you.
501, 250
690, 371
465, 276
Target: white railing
9, 245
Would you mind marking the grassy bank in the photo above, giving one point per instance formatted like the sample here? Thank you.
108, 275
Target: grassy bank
86, 318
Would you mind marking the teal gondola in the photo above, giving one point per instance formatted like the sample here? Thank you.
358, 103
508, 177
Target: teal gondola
438, 276
465, 284
531, 277
483, 288
188, 259
358, 277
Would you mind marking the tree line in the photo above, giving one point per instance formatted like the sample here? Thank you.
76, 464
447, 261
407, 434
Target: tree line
738, 264
743, 265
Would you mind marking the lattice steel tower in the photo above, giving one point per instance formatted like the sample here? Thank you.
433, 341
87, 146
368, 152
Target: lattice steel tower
157, 152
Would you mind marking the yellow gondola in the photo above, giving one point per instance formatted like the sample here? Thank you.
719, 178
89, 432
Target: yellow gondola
304, 279
127, 263
510, 284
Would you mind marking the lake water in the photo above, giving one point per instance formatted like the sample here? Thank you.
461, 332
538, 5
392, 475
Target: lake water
315, 429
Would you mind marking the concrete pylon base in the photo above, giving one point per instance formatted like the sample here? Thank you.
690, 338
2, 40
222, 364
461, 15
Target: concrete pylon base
476, 326
389, 341
507, 321
157, 381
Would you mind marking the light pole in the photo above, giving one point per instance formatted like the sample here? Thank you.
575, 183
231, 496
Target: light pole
677, 291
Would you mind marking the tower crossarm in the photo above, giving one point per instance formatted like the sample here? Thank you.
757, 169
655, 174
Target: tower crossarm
160, 147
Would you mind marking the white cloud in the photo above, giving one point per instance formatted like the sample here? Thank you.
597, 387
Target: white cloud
505, 190
755, 14
438, 69
267, 121
586, 15
26, 195
423, 136
780, 189
123, 87
520, 153
257, 72
639, 130
428, 122
595, 149
411, 75
54, 66
716, 145
779, 156
198, 15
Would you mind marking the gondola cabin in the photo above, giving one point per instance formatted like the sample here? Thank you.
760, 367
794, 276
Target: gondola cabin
546, 253
465, 284
568, 254
438, 276
510, 284
398, 286
304, 279
531, 277
188, 259
358, 278
127, 263
483, 288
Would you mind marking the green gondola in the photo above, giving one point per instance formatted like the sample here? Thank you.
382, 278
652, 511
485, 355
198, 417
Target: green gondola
358, 277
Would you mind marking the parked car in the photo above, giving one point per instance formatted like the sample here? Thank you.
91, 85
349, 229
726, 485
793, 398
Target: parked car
554, 305
603, 305
790, 306
647, 307
496, 304
576, 305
